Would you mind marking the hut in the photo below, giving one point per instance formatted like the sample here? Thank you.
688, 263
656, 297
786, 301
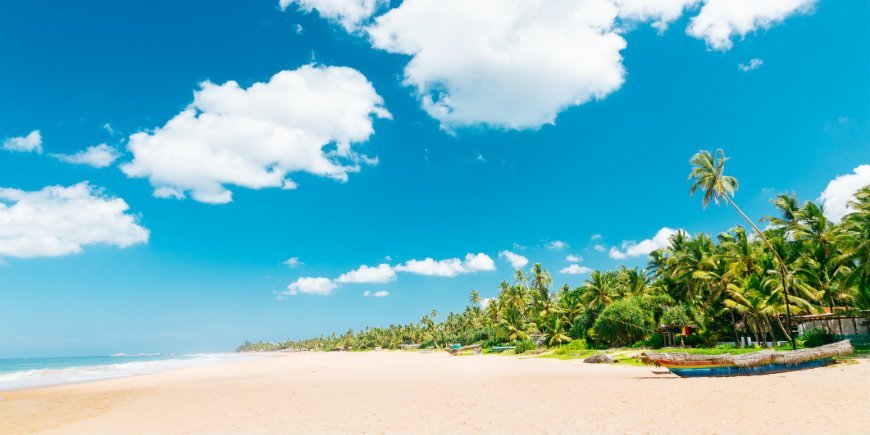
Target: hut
672, 332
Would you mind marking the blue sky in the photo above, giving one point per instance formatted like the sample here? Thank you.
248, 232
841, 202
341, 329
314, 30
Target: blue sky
514, 164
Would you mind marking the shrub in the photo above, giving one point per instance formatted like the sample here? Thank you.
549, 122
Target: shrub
624, 322
654, 341
817, 337
575, 345
524, 346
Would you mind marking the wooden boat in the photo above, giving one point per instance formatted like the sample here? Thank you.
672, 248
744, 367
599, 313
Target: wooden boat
757, 363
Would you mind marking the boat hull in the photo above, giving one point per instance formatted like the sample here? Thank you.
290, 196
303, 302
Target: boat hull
734, 370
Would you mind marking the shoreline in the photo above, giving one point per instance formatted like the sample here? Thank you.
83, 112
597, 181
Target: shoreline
55, 376
389, 392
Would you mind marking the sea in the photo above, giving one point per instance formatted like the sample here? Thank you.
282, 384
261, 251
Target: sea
26, 373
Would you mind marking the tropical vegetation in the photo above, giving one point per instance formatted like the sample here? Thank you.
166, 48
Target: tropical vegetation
738, 283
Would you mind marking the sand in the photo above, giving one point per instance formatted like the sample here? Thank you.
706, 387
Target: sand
406, 392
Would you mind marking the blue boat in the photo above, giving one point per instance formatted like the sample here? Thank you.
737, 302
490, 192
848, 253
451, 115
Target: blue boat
758, 363
734, 370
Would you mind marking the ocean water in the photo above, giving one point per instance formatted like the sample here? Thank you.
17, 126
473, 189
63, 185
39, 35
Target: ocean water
23, 373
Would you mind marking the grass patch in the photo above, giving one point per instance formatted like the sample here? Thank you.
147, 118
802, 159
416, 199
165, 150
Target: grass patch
628, 361
569, 354
710, 350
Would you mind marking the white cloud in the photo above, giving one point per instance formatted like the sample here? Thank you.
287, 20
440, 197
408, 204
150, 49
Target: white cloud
573, 258
836, 196
311, 286
479, 263
293, 262
349, 13
575, 269
32, 143
720, 20
59, 220
599, 248
632, 249
660, 12
108, 127
448, 268
376, 294
428, 266
516, 260
615, 254
557, 245
301, 120
751, 65
98, 156
299, 29
373, 275
596, 237
507, 64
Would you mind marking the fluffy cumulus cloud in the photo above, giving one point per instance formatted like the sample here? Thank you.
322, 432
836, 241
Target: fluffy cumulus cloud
573, 258
373, 275
349, 13
98, 156
633, 249
304, 120
841, 190
516, 260
376, 294
32, 143
60, 220
659, 12
511, 64
575, 269
311, 286
448, 268
516, 64
721, 20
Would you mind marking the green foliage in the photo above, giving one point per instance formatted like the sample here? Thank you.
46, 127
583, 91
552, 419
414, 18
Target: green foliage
574, 345
816, 337
523, 346
624, 322
676, 315
654, 341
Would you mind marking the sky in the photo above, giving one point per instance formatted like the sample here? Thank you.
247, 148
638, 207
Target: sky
184, 177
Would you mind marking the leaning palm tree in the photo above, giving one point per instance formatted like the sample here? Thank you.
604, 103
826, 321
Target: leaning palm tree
708, 175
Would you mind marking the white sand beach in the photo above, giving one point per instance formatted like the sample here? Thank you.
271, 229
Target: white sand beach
406, 392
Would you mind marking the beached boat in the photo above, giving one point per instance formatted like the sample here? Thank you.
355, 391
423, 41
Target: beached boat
756, 363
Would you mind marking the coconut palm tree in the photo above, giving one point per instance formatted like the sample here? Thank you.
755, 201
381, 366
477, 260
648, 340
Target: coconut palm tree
708, 175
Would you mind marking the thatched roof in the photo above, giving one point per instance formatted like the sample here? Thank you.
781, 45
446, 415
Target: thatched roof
827, 351
754, 359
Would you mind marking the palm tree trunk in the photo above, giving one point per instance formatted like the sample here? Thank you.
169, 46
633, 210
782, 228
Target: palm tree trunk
782, 266
839, 321
756, 330
781, 327
734, 329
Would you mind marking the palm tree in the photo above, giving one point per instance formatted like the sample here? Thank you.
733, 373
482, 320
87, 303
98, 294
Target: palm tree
708, 175
854, 243
597, 291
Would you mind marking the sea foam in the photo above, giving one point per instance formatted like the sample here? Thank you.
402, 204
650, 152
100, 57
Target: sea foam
26, 373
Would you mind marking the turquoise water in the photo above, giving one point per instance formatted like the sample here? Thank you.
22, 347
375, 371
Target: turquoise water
22, 373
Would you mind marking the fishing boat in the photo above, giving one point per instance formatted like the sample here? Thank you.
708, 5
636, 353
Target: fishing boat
757, 363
